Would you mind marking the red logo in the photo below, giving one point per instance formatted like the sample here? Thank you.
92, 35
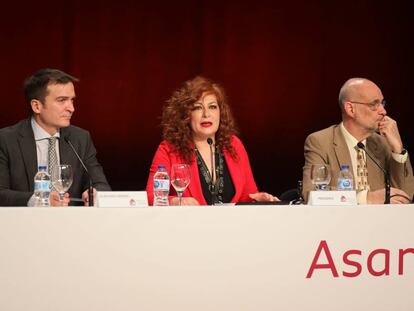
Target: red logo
353, 259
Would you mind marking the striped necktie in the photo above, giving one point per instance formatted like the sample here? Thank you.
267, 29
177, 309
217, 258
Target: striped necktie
52, 159
362, 171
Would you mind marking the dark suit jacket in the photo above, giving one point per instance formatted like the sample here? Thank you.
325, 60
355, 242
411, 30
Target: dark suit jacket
18, 162
328, 146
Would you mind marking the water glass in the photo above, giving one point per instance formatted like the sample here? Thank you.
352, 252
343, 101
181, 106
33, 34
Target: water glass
320, 176
180, 178
62, 180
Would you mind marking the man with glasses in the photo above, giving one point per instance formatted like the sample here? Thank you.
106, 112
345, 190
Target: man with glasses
364, 120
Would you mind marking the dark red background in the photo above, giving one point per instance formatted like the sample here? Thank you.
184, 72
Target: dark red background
281, 62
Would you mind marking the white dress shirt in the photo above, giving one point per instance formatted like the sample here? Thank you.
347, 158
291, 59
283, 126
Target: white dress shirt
42, 148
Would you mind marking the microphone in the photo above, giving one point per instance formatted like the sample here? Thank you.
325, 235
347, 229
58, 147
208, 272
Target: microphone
90, 189
212, 187
386, 173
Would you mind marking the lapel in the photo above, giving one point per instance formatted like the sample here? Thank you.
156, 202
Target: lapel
235, 174
375, 175
341, 149
373, 147
28, 150
66, 154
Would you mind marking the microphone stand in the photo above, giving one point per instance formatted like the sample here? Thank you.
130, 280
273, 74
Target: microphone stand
90, 189
90, 193
212, 186
387, 188
299, 199
386, 174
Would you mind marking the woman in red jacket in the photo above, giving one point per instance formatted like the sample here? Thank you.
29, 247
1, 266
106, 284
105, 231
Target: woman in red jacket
196, 112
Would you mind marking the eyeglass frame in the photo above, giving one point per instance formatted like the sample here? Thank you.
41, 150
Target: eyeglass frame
374, 105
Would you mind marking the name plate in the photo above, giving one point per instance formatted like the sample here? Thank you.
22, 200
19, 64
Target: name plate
121, 199
332, 197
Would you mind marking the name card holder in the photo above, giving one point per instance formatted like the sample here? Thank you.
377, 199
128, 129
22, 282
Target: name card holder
121, 199
325, 197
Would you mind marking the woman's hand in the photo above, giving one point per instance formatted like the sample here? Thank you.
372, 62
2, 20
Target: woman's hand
263, 197
184, 201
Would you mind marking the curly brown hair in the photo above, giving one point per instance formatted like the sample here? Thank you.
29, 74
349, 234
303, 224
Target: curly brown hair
176, 117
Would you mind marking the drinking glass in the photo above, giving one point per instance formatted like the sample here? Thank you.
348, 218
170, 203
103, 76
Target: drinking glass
320, 176
180, 178
62, 180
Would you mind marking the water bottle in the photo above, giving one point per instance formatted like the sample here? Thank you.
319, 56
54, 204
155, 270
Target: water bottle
42, 185
161, 186
345, 179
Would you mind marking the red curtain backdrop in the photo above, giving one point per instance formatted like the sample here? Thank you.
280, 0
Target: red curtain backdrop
281, 62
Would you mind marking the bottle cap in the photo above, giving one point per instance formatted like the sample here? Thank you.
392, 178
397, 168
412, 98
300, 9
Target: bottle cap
161, 167
344, 167
43, 168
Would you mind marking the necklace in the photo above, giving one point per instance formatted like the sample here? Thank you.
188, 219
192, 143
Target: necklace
216, 190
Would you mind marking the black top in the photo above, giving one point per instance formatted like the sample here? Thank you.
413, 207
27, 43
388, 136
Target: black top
224, 189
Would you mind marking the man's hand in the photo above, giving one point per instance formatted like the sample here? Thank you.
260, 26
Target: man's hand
85, 197
378, 196
389, 129
55, 201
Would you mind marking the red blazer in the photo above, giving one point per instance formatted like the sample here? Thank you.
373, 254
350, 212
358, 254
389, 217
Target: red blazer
239, 168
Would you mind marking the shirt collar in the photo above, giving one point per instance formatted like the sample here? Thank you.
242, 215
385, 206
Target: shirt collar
40, 133
351, 141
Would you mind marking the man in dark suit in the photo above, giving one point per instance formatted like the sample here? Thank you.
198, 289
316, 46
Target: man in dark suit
50, 94
364, 120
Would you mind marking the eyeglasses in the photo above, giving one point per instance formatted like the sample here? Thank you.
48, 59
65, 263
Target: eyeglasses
372, 105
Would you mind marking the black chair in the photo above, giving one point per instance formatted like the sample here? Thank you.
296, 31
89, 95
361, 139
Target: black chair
294, 196
290, 195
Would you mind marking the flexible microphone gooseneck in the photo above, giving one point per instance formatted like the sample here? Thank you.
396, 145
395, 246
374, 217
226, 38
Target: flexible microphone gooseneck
90, 189
386, 174
212, 187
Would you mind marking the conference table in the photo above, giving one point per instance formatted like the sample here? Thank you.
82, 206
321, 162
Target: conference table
207, 258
